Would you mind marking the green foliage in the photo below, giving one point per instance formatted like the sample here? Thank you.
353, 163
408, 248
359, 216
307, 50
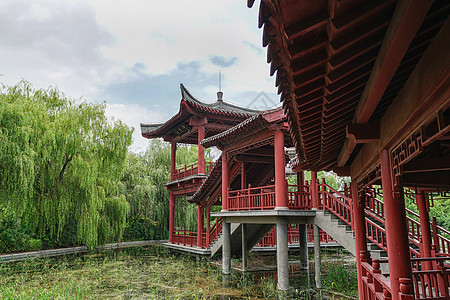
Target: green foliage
336, 182
61, 160
341, 277
144, 184
13, 236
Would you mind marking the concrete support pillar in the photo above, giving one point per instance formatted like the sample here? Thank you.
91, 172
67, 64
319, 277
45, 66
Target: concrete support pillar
396, 228
314, 191
171, 216
201, 150
244, 247
317, 257
360, 231
173, 162
422, 206
282, 255
226, 248
281, 199
199, 225
208, 225
225, 180
303, 241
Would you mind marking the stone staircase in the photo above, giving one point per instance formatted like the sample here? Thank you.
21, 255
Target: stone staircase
343, 234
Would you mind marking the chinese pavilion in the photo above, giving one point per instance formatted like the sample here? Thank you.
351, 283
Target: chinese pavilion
365, 93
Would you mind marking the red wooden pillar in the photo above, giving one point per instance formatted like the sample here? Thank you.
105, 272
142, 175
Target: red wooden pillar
243, 177
301, 190
199, 225
225, 180
314, 190
201, 150
300, 178
360, 232
208, 225
173, 152
396, 228
280, 172
171, 216
421, 200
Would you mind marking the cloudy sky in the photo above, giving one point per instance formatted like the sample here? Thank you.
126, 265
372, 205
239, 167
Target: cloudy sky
134, 54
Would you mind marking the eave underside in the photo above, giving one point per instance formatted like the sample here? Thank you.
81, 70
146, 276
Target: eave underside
324, 53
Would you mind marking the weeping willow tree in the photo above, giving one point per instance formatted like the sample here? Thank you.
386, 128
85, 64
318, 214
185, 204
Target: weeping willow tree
144, 180
61, 162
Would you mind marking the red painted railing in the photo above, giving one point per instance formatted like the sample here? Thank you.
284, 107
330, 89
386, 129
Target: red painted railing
374, 284
189, 170
335, 202
270, 239
375, 206
259, 198
440, 237
185, 237
431, 283
215, 230
262, 198
299, 197
189, 237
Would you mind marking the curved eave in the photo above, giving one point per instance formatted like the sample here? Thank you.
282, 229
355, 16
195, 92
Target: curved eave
256, 122
190, 106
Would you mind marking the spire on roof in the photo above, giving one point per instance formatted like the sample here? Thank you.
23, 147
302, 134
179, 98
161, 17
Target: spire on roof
220, 93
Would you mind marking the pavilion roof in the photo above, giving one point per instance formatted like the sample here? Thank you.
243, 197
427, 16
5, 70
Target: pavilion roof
342, 62
190, 106
252, 124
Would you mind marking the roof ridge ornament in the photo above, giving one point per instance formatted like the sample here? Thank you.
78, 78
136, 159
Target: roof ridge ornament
220, 93
220, 96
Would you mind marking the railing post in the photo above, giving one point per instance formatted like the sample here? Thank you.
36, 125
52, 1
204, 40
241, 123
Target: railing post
435, 234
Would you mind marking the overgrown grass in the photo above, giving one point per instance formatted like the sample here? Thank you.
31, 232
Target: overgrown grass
139, 273
341, 277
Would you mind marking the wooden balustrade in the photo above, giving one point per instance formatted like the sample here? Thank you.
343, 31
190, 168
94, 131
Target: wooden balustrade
376, 234
259, 198
431, 283
375, 285
189, 170
215, 230
185, 237
335, 202
269, 240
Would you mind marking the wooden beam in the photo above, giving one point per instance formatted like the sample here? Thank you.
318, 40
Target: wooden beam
364, 133
427, 165
406, 21
426, 92
427, 180
254, 159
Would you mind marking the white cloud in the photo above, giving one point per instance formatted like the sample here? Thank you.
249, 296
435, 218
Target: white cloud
133, 115
135, 53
